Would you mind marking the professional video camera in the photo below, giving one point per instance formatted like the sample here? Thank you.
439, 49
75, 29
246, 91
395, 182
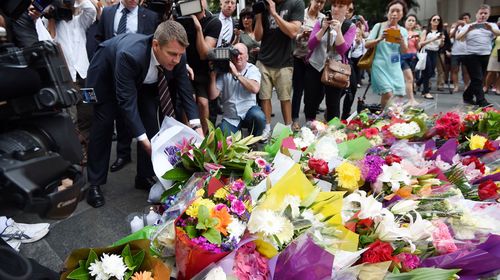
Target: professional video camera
221, 56
39, 149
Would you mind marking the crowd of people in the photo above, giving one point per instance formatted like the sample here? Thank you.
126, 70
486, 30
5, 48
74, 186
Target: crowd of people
145, 66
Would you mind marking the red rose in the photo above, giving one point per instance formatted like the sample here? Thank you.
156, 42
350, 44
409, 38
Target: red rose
378, 252
489, 146
319, 166
390, 159
428, 154
488, 190
364, 225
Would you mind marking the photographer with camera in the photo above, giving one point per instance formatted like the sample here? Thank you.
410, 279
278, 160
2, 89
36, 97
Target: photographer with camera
237, 89
126, 72
277, 24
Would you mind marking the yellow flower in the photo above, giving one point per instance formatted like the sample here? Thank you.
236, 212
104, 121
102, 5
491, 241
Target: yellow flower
221, 193
143, 275
477, 142
193, 208
348, 176
200, 193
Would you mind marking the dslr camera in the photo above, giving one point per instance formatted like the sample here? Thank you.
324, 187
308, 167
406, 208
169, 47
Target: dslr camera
221, 56
39, 148
259, 7
58, 9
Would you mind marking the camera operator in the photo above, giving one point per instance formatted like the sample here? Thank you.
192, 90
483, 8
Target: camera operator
124, 73
277, 27
203, 31
70, 34
237, 90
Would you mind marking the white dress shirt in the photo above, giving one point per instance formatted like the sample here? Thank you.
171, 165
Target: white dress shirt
71, 36
132, 21
227, 23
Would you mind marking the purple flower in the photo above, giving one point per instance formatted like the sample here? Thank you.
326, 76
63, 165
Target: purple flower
372, 167
238, 207
231, 197
172, 153
219, 206
206, 245
238, 185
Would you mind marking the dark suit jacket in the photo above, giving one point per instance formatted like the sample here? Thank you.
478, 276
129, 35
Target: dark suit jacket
146, 23
118, 69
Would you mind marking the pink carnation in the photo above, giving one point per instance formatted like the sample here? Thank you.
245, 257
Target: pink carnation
238, 207
408, 261
238, 185
442, 239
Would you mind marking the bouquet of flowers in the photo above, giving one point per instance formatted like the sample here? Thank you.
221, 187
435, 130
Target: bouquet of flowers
211, 226
128, 261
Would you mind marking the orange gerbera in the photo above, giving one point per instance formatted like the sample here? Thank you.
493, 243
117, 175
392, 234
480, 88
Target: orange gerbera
223, 216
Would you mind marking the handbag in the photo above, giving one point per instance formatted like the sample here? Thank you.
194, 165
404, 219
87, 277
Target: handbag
373, 108
335, 73
422, 60
366, 61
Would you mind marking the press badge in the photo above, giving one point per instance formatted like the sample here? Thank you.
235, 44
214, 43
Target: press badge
395, 58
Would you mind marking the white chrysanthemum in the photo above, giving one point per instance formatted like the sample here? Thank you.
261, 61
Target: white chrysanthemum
404, 129
236, 229
286, 233
216, 273
113, 265
265, 221
294, 202
96, 270
305, 139
326, 148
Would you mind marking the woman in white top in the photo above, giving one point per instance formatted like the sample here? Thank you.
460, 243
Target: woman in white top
458, 50
478, 37
431, 40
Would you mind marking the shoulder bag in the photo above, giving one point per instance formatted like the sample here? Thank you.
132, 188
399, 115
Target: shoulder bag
366, 61
335, 73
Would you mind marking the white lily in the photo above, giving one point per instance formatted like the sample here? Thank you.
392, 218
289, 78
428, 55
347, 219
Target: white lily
393, 175
419, 229
388, 230
404, 206
368, 207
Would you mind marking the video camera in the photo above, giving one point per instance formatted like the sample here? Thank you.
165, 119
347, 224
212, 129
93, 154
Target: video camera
221, 56
39, 149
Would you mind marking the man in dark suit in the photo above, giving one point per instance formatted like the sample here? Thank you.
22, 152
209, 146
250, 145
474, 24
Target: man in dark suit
124, 75
136, 20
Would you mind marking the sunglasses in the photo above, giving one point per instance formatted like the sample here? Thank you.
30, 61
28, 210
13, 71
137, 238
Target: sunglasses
350, 10
436, 19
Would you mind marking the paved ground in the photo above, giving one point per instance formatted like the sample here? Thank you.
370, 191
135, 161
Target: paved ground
89, 227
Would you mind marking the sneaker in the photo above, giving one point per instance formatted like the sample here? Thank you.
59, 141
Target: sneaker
24, 233
469, 101
266, 134
483, 103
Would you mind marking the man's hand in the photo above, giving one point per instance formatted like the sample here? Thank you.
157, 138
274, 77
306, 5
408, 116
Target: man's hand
146, 145
34, 13
197, 24
199, 130
272, 7
190, 72
233, 69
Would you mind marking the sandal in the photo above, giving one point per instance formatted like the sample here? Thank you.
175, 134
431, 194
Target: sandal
428, 96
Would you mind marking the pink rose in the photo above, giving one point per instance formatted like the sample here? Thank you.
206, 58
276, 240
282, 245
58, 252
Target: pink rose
442, 239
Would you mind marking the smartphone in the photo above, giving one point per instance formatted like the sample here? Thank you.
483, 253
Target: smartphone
88, 95
328, 15
480, 25
40, 5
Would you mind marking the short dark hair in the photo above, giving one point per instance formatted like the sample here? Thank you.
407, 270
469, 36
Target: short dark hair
463, 15
246, 12
341, 2
401, 2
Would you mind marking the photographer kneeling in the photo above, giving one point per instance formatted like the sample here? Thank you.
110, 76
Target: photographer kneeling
237, 89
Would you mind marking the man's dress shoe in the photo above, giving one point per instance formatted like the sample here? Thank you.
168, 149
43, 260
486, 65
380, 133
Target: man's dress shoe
119, 164
144, 183
95, 198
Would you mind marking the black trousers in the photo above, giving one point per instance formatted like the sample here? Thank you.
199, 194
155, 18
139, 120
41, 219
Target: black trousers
298, 81
123, 138
476, 67
101, 134
314, 91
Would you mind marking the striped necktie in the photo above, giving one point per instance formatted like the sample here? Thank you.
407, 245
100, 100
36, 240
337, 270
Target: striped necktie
166, 106
226, 30
122, 25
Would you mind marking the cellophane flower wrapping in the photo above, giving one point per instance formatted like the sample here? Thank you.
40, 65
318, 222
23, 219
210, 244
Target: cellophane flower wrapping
481, 261
303, 259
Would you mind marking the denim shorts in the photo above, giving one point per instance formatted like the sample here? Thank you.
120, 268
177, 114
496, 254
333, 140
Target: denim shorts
408, 61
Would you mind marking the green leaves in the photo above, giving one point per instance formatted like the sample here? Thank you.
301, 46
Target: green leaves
213, 236
207, 224
425, 273
81, 273
177, 174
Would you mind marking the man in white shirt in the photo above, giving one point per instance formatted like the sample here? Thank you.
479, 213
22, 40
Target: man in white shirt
478, 37
237, 90
227, 8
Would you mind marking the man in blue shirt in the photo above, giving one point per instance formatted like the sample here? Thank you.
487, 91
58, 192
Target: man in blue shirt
237, 90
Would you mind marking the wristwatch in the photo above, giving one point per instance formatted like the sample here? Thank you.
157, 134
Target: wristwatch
196, 126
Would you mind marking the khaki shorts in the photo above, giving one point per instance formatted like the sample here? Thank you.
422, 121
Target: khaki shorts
280, 78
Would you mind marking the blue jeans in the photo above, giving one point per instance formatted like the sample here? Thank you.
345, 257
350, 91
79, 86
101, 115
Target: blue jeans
255, 120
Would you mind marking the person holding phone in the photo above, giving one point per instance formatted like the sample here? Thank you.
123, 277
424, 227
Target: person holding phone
409, 59
386, 74
478, 37
311, 15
